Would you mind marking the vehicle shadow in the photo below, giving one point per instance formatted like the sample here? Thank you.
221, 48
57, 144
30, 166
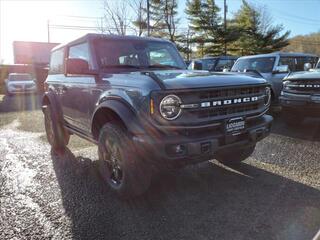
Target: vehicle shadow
204, 201
20, 103
308, 130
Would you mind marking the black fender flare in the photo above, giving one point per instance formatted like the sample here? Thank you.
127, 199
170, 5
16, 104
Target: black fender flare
52, 99
124, 111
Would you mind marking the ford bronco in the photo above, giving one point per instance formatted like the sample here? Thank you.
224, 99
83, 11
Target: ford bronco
274, 67
300, 97
136, 100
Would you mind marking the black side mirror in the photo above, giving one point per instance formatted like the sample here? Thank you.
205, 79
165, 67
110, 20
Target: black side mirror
76, 66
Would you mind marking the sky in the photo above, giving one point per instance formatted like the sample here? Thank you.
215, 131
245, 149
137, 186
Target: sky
27, 20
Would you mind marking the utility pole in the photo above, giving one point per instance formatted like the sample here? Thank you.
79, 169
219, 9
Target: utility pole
225, 26
148, 17
48, 29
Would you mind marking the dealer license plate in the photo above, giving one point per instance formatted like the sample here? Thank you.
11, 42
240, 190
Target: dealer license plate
235, 126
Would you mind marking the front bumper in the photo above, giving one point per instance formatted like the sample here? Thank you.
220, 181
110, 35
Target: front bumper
197, 147
306, 104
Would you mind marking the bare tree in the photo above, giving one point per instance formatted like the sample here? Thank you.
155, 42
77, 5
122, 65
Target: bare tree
170, 18
116, 19
140, 15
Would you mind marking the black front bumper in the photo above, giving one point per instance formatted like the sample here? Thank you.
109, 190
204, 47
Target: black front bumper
199, 147
306, 104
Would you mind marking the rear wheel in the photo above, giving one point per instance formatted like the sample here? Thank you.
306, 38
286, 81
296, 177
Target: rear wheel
57, 135
126, 174
233, 157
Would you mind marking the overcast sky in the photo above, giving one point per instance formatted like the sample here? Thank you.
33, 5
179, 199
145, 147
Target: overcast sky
24, 20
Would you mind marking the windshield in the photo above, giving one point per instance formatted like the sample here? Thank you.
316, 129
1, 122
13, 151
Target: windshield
208, 64
262, 65
20, 77
138, 54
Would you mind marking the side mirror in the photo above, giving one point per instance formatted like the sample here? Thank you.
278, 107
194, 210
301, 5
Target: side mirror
281, 69
76, 66
196, 65
307, 66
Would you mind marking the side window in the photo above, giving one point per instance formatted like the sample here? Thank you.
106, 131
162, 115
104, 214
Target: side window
290, 61
56, 62
80, 51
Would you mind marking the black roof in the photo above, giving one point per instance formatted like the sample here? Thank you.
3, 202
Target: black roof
91, 36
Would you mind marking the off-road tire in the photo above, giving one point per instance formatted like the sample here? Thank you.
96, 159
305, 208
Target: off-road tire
236, 156
135, 175
58, 137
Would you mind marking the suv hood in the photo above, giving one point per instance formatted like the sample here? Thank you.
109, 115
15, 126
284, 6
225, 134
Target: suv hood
309, 75
21, 83
182, 79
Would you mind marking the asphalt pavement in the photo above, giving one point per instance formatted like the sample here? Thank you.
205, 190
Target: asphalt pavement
275, 194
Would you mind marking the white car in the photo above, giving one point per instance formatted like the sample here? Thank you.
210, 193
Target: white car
20, 83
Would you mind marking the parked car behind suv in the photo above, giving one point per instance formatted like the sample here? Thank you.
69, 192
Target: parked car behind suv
214, 64
134, 98
20, 83
300, 97
274, 67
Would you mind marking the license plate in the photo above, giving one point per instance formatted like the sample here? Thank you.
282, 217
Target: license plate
235, 126
315, 99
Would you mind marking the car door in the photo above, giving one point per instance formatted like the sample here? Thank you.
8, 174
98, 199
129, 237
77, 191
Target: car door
75, 99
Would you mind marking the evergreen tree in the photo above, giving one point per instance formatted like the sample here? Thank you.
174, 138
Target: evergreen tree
204, 18
257, 34
164, 19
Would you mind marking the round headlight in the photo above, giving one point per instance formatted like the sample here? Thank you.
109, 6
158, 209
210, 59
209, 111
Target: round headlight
285, 85
267, 98
170, 107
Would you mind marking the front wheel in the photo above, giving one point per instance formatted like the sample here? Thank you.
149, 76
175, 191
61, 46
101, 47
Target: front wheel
125, 174
232, 157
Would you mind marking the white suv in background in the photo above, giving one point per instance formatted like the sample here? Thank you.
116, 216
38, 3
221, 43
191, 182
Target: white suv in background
20, 83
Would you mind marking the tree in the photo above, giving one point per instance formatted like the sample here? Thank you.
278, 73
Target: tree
305, 43
164, 19
204, 18
140, 15
258, 35
116, 17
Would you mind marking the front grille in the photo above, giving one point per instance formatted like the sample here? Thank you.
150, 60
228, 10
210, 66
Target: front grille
304, 86
207, 106
225, 93
230, 110
225, 111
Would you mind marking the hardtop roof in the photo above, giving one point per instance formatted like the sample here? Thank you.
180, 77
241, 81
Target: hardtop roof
91, 36
281, 54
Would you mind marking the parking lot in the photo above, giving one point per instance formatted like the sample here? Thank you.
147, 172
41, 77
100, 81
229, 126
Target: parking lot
275, 194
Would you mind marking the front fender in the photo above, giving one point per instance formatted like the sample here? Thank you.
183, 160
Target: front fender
124, 111
51, 98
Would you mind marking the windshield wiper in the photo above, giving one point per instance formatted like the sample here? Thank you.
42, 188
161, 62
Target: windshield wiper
163, 66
